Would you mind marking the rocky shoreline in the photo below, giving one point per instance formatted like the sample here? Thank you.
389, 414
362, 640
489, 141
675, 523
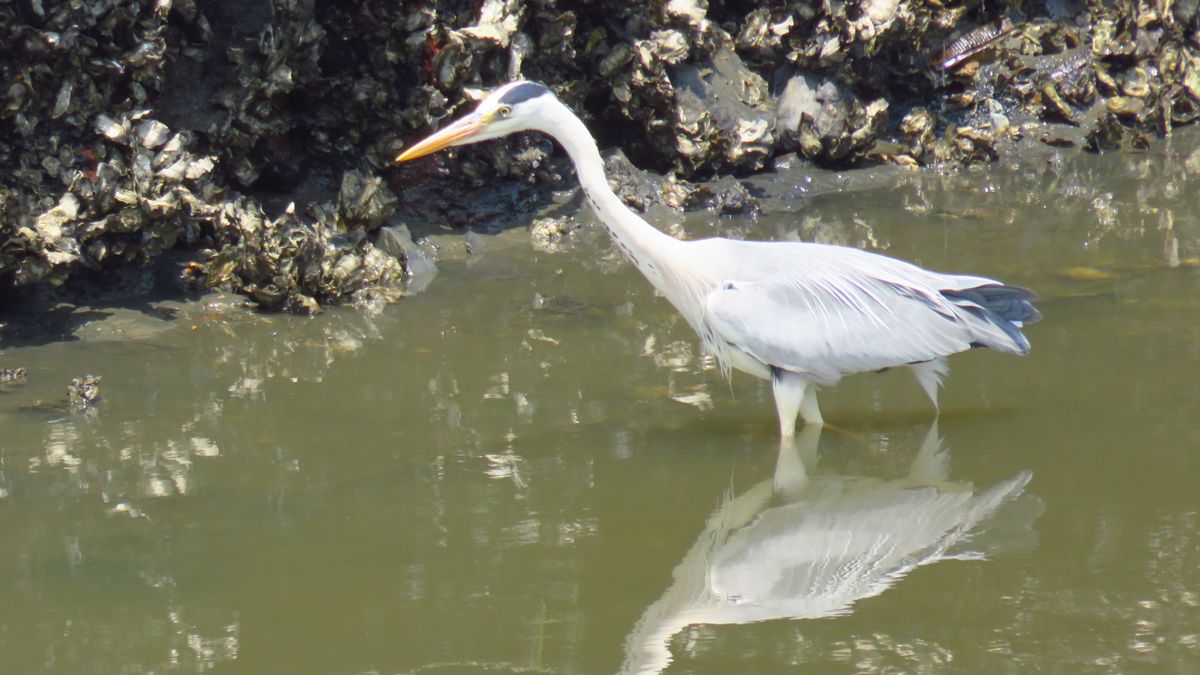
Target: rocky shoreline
251, 140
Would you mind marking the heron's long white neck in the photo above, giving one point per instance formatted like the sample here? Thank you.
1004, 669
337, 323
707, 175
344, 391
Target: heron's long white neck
645, 245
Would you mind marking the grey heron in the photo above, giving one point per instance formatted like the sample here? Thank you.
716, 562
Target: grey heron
801, 315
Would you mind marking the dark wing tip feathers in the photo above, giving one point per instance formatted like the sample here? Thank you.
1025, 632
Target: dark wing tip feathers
1008, 307
1011, 303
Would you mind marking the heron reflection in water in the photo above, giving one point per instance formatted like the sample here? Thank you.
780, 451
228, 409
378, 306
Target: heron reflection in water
798, 314
807, 546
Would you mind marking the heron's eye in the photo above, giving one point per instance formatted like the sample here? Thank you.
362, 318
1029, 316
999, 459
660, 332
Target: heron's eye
504, 111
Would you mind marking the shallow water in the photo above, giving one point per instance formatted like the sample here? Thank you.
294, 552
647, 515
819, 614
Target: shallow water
529, 467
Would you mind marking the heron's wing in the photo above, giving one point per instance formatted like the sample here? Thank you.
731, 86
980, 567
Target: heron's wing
832, 320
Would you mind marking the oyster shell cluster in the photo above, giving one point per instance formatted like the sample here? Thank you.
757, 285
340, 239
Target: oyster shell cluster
137, 127
83, 392
260, 133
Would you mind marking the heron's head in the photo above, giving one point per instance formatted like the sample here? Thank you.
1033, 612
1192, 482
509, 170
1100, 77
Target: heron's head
517, 106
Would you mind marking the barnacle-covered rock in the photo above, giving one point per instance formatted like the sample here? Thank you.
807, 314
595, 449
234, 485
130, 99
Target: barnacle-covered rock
134, 127
975, 143
293, 263
129, 207
364, 201
83, 393
825, 122
917, 126
722, 116
111, 167
761, 37
74, 89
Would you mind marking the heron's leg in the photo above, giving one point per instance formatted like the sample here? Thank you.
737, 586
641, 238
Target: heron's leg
810, 410
797, 457
789, 389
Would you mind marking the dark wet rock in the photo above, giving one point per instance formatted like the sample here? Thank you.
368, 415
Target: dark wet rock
83, 392
645, 190
637, 188
725, 195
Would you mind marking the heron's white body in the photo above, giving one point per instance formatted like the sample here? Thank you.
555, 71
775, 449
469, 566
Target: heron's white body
802, 315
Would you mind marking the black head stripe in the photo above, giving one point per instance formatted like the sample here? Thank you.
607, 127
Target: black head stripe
523, 92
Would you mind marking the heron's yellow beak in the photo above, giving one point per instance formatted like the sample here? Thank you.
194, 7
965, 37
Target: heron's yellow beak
461, 130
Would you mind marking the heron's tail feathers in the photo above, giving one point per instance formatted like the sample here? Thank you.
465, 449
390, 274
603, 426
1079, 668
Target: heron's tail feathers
929, 376
998, 312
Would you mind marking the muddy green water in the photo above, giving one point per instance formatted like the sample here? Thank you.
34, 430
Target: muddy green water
530, 468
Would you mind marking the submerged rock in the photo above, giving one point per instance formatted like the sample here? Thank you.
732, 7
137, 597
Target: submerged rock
548, 233
83, 393
83, 397
10, 377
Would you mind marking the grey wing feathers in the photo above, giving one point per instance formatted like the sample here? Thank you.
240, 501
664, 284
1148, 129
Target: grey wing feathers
837, 320
827, 330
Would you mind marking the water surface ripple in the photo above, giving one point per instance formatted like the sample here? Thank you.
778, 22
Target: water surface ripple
530, 467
